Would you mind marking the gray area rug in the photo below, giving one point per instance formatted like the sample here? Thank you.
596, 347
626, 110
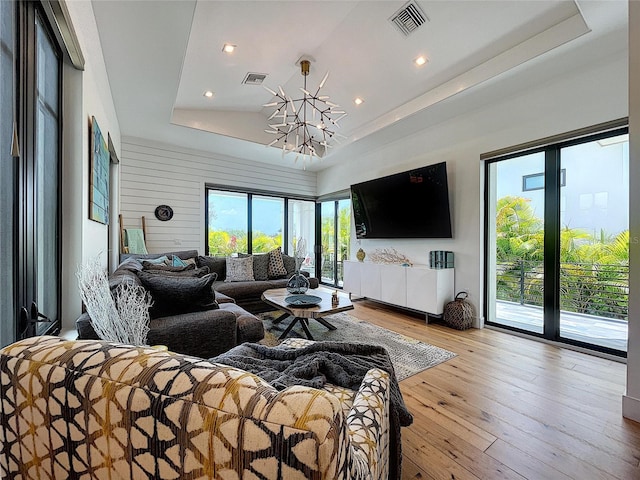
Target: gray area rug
409, 356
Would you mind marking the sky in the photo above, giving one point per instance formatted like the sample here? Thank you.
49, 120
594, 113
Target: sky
230, 213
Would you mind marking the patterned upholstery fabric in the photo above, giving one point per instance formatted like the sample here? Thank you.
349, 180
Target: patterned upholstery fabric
239, 269
92, 409
276, 264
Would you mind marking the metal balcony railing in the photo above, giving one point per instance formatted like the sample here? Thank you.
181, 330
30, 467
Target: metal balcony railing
593, 289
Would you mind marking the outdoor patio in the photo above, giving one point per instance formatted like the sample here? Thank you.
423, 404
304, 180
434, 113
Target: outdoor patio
606, 332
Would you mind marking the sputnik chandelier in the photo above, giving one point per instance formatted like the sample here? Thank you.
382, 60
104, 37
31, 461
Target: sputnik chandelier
307, 124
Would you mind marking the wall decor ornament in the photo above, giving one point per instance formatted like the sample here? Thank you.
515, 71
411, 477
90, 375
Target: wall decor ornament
164, 213
99, 171
389, 256
360, 254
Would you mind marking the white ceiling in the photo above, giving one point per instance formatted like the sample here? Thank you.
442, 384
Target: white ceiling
162, 55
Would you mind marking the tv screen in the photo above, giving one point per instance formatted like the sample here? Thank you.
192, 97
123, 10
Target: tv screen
412, 204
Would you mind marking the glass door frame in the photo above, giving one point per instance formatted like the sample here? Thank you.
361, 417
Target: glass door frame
551, 279
336, 235
26, 215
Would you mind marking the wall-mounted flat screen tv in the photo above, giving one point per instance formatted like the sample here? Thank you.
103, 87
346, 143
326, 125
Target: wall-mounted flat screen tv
412, 204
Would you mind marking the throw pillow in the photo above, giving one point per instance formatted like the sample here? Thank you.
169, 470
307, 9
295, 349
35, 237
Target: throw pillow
177, 262
289, 264
239, 269
216, 265
260, 265
175, 295
166, 268
160, 260
197, 272
276, 264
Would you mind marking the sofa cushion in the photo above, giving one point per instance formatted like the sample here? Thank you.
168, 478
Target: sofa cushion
276, 264
147, 266
239, 269
173, 295
190, 272
289, 264
242, 290
145, 256
163, 260
260, 265
216, 265
249, 327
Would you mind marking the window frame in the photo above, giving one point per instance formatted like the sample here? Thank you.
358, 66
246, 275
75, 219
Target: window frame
250, 193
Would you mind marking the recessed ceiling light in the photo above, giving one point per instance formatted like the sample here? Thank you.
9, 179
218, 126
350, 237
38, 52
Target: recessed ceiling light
358, 101
228, 48
208, 94
420, 61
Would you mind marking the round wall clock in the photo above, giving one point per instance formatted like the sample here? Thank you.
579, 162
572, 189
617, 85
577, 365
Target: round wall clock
164, 213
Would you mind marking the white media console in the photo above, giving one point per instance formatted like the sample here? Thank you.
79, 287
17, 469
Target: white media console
418, 287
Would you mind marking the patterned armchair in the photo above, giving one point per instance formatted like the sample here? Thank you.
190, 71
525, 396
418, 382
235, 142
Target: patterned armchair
92, 409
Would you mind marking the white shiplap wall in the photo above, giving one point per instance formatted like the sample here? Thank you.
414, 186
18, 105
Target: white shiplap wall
153, 174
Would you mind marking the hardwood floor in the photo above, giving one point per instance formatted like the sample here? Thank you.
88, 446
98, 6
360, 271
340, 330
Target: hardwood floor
511, 408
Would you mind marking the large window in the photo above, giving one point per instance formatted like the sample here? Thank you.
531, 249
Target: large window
247, 222
30, 84
558, 254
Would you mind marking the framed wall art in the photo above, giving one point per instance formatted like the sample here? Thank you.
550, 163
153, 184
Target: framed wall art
99, 171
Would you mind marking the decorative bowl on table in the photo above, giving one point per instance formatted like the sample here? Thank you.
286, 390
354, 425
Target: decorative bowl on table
302, 300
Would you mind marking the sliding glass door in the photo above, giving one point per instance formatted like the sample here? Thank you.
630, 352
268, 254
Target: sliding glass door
335, 234
557, 242
594, 243
516, 231
7, 175
30, 124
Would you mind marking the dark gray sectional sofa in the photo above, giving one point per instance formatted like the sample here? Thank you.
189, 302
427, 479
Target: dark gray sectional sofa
201, 315
247, 294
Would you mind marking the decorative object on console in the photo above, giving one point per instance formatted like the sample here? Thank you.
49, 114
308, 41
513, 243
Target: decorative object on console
124, 319
307, 124
440, 259
298, 283
389, 256
360, 254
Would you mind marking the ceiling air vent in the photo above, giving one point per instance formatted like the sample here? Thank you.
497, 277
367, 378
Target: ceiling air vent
254, 78
409, 18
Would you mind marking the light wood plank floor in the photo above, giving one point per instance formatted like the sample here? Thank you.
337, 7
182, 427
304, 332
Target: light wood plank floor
511, 408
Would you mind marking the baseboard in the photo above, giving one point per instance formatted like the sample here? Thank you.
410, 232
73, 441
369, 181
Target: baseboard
631, 408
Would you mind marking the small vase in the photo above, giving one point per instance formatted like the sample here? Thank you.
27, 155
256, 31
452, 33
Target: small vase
360, 255
298, 284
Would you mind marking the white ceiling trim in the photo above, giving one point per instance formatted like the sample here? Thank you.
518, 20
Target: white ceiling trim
531, 48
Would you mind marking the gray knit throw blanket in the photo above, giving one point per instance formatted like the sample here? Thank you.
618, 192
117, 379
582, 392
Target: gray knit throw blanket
339, 363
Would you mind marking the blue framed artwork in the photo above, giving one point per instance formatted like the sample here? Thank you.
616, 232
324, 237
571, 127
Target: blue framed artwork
99, 181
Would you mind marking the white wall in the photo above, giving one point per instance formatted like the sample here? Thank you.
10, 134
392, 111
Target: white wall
631, 400
577, 99
154, 174
85, 94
